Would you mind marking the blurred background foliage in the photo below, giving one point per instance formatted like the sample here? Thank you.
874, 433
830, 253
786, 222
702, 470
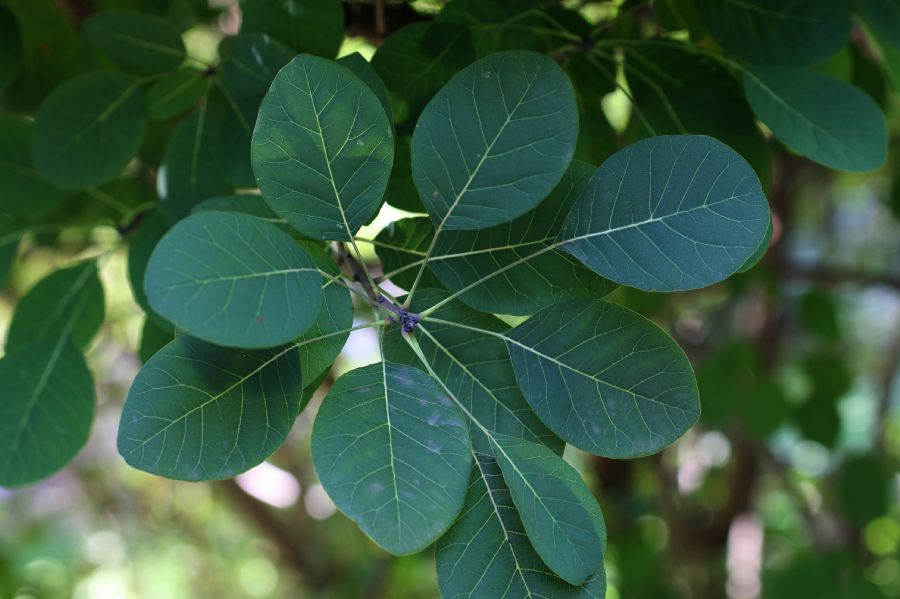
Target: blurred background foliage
786, 489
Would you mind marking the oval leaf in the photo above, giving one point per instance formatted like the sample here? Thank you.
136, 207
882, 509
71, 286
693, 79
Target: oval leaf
47, 409
233, 280
627, 391
135, 41
90, 145
561, 517
477, 161
393, 453
776, 31
23, 193
175, 93
322, 148
200, 412
846, 132
668, 213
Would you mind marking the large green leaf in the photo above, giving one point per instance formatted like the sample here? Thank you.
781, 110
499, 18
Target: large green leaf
314, 26
463, 260
884, 17
487, 553
417, 60
475, 367
200, 412
90, 145
477, 161
23, 192
175, 93
846, 132
67, 301
604, 379
135, 41
393, 453
47, 409
668, 213
188, 173
561, 517
322, 148
778, 31
249, 64
233, 280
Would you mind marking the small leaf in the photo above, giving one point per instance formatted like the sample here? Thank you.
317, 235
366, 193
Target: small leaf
477, 161
175, 93
23, 192
668, 213
363, 69
135, 41
778, 32
322, 148
846, 132
604, 379
314, 26
67, 301
487, 553
47, 409
188, 173
140, 248
200, 412
233, 280
392, 451
91, 145
561, 517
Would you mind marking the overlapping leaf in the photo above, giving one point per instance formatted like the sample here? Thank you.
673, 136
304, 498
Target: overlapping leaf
884, 17
201, 412
135, 41
23, 192
477, 161
175, 93
363, 69
233, 280
392, 451
140, 248
322, 148
314, 26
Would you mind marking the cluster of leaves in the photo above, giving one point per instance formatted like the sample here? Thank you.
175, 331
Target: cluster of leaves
487, 120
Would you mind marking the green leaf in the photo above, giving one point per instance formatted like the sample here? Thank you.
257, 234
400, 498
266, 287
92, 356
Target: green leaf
761, 249
401, 192
846, 132
135, 41
154, 337
477, 161
175, 93
604, 378
91, 145
250, 204
23, 192
200, 412
67, 301
475, 367
487, 553
140, 248
392, 451
250, 63
778, 32
463, 260
402, 246
188, 173
10, 236
668, 213
233, 280
884, 17
322, 148
416, 61
561, 517
47, 409
314, 26
363, 69
10, 48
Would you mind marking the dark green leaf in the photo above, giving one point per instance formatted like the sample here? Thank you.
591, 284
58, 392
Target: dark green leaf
668, 213
47, 409
140, 247
363, 69
175, 93
393, 453
561, 517
322, 148
135, 41
66, 302
251, 204
9, 248
778, 32
314, 26
200, 412
401, 192
846, 132
604, 378
10, 47
154, 337
233, 280
884, 17
478, 162
402, 246
23, 192
90, 145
